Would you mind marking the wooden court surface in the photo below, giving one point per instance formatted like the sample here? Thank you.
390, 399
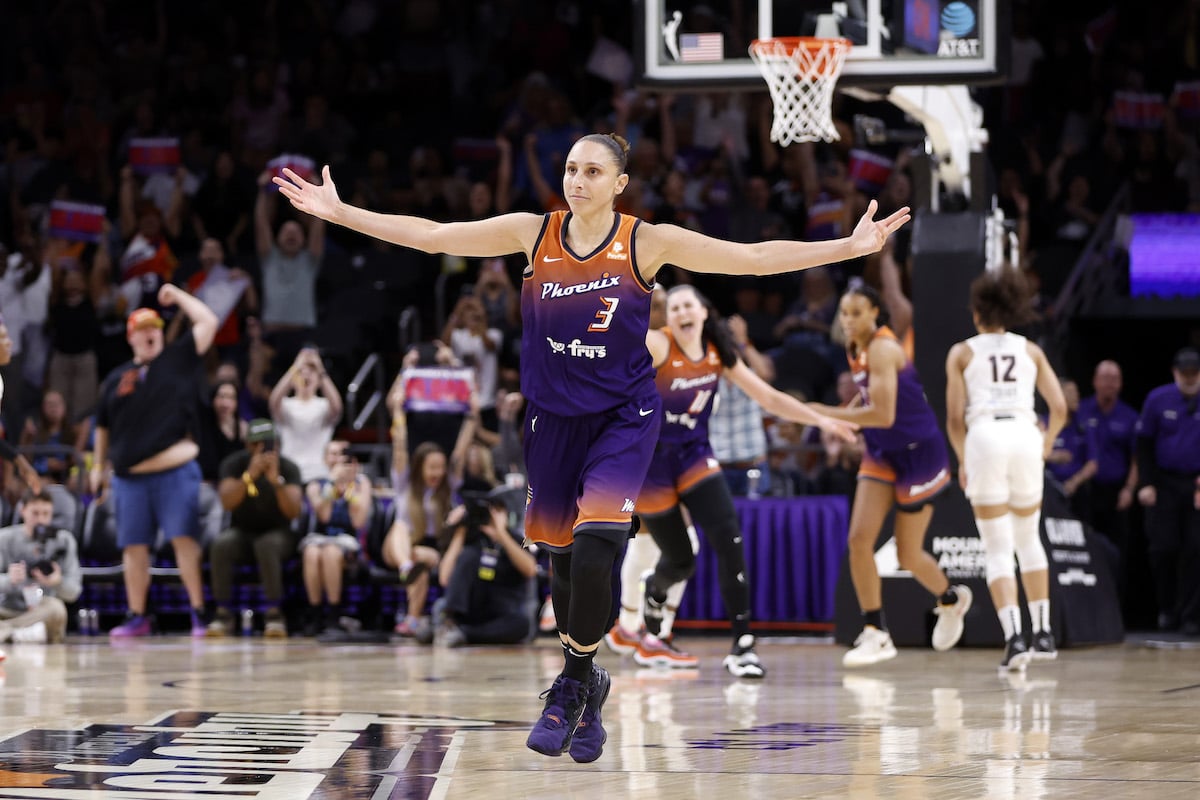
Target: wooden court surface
246, 718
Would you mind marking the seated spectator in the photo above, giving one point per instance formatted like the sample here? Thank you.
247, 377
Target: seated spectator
411, 546
39, 574
341, 509
261, 491
304, 418
487, 575
51, 430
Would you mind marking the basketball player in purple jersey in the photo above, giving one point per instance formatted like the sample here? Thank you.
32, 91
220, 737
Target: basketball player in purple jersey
594, 412
905, 465
691, 355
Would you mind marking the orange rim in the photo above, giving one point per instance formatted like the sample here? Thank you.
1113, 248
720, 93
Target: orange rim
814, 44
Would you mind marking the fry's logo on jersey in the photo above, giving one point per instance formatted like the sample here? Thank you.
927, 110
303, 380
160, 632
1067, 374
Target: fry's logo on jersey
578, 349
555, 289
685, 419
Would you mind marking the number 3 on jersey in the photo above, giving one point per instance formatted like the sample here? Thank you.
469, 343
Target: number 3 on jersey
605, 315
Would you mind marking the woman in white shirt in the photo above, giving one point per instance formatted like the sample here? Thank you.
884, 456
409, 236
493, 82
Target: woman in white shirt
303, 418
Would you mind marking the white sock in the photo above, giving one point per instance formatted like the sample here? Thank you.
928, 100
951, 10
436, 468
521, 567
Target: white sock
640, 556
674, 595
1010, 621
1039, 615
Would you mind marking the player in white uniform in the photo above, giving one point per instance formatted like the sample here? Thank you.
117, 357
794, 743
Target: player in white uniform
990, 383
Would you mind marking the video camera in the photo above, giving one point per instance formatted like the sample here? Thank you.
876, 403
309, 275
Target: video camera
479, 505
43, 535
479, 508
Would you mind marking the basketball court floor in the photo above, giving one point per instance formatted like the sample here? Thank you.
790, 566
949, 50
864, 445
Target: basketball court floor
247, 718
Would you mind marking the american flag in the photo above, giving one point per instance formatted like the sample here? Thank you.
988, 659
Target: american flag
701, 47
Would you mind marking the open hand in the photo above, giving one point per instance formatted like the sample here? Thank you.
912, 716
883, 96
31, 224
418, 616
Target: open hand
320, 200
846, 431
870, 234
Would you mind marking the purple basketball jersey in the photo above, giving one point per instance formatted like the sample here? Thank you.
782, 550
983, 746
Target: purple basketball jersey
914, 420
583, 349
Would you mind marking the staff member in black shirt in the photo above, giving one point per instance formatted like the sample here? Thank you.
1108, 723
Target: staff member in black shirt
143, 426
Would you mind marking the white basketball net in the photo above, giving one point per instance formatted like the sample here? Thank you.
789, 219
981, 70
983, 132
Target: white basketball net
801, 75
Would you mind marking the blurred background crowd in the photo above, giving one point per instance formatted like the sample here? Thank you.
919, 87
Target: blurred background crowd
139, 139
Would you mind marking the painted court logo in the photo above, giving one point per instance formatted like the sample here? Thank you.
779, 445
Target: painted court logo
192, 754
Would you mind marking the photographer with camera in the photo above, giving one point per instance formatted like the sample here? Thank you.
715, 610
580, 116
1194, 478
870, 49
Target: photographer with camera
261, 491
39, 574
487, 575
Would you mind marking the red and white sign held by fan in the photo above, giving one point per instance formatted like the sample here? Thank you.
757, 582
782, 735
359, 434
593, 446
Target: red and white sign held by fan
303, 166
150, 156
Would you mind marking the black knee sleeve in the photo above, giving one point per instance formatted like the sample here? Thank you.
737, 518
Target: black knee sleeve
591, 566
678, 560
711, 507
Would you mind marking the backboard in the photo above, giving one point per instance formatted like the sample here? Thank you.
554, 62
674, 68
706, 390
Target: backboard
704, 44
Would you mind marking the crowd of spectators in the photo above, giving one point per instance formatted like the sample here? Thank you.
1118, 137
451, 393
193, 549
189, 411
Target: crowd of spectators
458, 110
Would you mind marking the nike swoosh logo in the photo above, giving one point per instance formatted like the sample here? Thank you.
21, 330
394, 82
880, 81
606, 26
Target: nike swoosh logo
644, 413
676, 363
550, 260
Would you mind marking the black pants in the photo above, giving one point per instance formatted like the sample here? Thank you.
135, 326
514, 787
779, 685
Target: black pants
711, 507
1173, 537
487, 612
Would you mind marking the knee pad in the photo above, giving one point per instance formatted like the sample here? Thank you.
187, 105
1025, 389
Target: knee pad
1030, 553
680, 568
997, 536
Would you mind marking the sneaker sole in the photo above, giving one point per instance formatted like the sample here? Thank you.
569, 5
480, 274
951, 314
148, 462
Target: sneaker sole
665, 662
755, 671
962, 622
1036, 656
885, 655
603, 700
1018, 664
619, 647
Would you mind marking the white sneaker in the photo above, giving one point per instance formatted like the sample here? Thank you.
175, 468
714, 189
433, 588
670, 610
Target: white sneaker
871, 647
31, 634
949, 627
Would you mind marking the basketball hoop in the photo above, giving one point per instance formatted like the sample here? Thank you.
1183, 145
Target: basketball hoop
801, 72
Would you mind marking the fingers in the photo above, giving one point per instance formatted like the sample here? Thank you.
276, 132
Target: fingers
897, 219
872, 207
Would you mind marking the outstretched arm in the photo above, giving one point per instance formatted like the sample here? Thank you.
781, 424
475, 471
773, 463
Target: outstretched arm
661, 244
886, 360
495, 236
783, 405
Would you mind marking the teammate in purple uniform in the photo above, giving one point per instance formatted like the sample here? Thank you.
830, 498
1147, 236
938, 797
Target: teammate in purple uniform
905, 465
691, 355
594, 412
